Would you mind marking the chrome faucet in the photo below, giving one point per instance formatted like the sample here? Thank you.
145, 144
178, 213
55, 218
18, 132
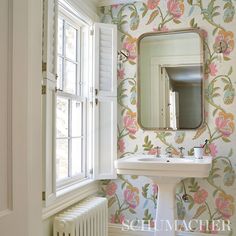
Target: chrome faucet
169, 153
158, 151
181, 155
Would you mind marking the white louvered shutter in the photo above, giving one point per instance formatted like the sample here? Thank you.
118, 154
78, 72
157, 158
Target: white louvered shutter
105, 104
105, 59
50, 19
49, 67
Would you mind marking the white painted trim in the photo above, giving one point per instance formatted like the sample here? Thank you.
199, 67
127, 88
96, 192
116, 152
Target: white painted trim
111, 2
116, 230
86, 8
64, 201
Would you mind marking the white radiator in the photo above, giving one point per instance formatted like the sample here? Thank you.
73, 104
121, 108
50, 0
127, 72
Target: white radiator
88, 218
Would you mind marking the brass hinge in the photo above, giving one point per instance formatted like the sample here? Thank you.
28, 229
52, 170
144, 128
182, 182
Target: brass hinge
44, 89
44, 196
44, 66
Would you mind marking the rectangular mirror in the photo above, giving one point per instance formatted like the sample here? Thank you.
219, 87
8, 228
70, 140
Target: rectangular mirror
170, 80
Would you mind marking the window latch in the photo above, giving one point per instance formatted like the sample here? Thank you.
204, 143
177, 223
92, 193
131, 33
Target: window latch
60, 90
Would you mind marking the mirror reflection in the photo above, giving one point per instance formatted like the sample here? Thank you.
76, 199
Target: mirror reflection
170, 80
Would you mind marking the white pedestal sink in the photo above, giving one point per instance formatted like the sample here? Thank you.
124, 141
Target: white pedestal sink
166, 173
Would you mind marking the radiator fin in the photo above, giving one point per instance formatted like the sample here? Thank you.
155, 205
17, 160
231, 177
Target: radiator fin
87, 218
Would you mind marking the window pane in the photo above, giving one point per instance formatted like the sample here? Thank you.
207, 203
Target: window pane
76, 156
60, 36
62, 117
59, 71
77, 118
70, 77
62, 159
71, 38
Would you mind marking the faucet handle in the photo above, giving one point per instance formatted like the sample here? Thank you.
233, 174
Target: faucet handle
181, 151
169, 152
158, 152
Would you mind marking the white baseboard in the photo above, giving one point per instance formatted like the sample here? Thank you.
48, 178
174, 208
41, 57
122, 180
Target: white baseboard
116, 230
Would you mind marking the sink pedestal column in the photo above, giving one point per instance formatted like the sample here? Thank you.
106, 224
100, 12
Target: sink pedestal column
166, 206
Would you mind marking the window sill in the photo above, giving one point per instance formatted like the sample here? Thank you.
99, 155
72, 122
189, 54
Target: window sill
69, 196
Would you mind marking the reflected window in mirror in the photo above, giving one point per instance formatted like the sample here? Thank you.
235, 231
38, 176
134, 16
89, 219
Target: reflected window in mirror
170, 80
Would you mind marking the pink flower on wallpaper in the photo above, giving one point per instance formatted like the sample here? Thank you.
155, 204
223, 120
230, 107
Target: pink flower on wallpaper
152, 151
152, 4
119, 219
200, 196
175, 8
152, 223
210, 229
130, 45
131, 196
228, 38
130, 122
225, 205
213, 69
154, 188
111, 189
121, 73
114, 6
213, 149
204, 33
164, 29
121, 145
225, 123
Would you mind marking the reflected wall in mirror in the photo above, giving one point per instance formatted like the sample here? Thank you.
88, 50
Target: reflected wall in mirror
170, 80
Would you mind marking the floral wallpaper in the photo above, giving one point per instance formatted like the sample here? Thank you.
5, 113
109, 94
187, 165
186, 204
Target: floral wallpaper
133, 197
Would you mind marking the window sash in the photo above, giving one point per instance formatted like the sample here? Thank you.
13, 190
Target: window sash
83, 139
78, 96
64, 58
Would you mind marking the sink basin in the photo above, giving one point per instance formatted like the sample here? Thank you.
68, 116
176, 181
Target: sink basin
146, 165
166, 173
165, 160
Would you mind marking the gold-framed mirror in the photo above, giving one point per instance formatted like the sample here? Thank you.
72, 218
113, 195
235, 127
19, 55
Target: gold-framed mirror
170, 80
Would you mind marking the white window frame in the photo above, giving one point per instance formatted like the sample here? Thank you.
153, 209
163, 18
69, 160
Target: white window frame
57, 198
80, 96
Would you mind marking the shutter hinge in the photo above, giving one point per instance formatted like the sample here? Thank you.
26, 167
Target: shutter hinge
44, 66
44, 196
44, 89
96, 92
96, 101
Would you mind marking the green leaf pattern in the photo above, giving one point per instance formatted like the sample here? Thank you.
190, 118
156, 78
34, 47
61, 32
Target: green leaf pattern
196, 198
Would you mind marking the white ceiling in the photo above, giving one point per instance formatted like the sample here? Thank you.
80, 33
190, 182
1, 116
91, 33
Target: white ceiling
185, 74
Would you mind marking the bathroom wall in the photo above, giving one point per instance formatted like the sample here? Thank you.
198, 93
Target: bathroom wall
132, 197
